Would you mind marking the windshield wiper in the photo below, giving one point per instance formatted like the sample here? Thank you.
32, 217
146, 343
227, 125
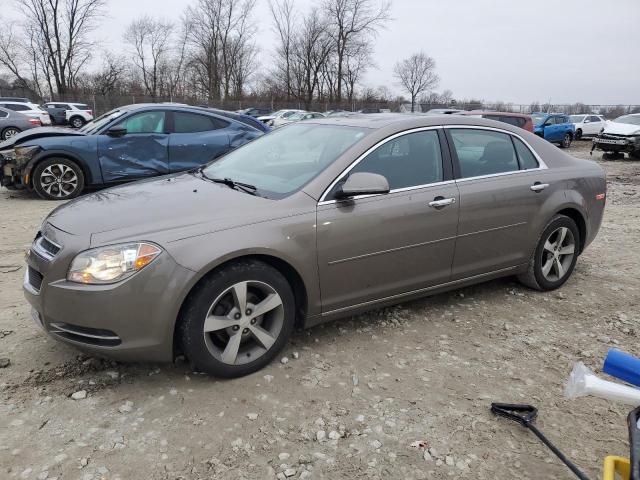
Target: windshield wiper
245, 187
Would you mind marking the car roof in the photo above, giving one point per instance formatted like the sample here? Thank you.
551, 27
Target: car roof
403, 121
492, 112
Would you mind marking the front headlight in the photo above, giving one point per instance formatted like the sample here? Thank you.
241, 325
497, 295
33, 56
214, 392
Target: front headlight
111, 264
20, 155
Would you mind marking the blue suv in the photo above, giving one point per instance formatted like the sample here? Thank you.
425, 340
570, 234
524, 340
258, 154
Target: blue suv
554, 127
128, 143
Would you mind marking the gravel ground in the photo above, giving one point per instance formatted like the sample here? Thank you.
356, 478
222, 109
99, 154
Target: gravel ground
397, 393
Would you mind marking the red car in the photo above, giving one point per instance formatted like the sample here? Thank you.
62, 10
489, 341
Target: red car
518, 119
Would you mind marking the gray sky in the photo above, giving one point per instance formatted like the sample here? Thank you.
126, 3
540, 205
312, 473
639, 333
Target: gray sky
512, 50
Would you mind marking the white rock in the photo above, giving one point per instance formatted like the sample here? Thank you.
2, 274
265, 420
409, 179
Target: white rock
360, 418
43, 475
449, 460
84, 462
173, 391
295, 355
333, 435
113, 375
320, 435
252, 416
25, 473
289, 472
283, 456
427, 456
60, 458
268, 378
126, 407
79, 395
304, 474
376, 444
284, 360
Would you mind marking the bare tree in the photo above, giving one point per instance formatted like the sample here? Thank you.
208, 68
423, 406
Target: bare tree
284, 19
416, 74
353, 21
57, 31
151, 42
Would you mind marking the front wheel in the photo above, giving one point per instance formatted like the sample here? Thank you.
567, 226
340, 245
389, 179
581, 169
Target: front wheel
238, 319
58, 179
555, 255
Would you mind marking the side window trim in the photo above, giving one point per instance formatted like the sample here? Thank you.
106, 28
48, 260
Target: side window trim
444, 153
456, 165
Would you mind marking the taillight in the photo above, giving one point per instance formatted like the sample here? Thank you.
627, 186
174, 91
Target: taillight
34, 121
90, 112
600, 196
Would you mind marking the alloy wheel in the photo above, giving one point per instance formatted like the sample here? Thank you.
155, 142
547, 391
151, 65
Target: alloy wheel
566, 142
557, 255
59, 180
77, 123
10, 132
244, 322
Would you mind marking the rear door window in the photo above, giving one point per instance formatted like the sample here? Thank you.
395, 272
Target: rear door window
516, 121
593, 118
184, 122
483, 152
525, 156
17, 107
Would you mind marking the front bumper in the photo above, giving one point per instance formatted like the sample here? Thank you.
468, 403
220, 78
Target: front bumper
616, 143
132, 320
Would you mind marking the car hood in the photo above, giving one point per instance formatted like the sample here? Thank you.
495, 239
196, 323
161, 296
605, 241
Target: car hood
163, 209
621, 128
39, 132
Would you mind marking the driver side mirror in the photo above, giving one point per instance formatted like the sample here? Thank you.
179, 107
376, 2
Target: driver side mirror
363, 183
117, 132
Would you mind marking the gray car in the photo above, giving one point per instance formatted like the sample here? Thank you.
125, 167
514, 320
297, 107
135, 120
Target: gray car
12, 123
315, 221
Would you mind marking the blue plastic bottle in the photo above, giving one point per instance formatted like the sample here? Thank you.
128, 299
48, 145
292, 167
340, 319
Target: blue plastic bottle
623, 366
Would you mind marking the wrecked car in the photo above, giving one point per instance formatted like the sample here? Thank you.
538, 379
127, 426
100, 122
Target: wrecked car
620, 136
125, 144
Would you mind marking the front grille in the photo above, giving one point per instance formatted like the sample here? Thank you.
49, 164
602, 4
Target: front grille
90, 336
610, 136
35, 278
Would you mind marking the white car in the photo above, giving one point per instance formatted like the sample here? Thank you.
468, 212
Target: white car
620, 136
588, 125
296, 117
77, 114
29, 109
269, 119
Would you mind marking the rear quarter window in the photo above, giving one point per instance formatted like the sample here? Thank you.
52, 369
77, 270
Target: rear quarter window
526, 158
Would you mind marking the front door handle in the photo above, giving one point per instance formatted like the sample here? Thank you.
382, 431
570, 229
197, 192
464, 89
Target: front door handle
538, 187
441, 202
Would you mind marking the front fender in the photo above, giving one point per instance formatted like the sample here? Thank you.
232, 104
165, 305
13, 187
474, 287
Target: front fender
90, 169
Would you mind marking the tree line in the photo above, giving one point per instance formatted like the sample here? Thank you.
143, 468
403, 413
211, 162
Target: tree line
212, 53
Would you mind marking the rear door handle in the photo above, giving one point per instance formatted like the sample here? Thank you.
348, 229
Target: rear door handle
538, 187
440, 202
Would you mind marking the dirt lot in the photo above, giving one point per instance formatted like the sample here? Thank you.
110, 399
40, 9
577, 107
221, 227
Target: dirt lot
353, 396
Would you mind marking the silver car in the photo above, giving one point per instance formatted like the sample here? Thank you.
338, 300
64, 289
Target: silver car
318, 220
12, 123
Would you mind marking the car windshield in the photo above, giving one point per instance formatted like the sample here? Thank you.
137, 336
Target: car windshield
283, 161
576, 118
538, 119
631, 119
94, 125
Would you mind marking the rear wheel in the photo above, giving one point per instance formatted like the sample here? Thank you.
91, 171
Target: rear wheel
555, 255
238, 319
566, 140
578, 134
57, 179
9, 132
77, 122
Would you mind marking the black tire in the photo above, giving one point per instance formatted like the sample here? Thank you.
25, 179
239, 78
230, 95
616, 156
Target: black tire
534, 277
61, 191
635, 154
566, 141
9, 132
579, 134
77, 122
200, 301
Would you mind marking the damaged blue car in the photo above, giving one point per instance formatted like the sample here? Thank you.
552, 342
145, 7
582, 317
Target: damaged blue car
128, 143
